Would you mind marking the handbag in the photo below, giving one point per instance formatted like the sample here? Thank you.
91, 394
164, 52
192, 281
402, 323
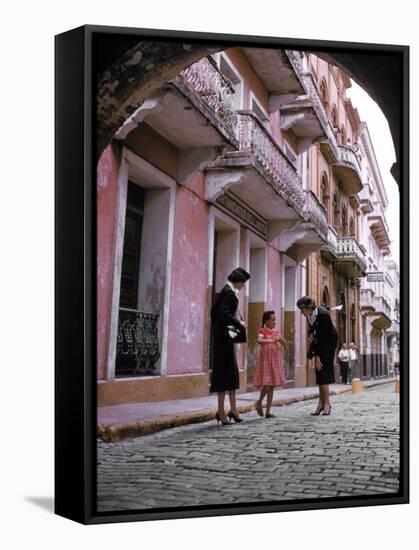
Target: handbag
236, 334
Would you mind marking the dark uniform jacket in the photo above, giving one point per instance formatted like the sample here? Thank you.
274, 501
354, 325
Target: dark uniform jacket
224, 310
324, 334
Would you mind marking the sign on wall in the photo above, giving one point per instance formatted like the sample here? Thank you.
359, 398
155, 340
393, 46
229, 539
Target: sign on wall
375, 277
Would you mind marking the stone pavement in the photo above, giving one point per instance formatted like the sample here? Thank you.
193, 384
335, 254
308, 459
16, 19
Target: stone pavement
119, 422
353, 452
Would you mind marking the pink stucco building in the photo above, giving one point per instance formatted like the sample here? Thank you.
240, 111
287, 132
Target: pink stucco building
210, 173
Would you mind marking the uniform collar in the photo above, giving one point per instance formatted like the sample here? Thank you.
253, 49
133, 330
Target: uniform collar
311, 319
233, 288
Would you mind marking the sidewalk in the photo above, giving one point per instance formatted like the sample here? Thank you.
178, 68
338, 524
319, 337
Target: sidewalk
119, 422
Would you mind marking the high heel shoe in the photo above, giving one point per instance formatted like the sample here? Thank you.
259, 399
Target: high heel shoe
232, 416
218, 419
269, 415
328, 412
316, 413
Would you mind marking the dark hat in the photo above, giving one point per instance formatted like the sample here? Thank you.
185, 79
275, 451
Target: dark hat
238, 275
305, 301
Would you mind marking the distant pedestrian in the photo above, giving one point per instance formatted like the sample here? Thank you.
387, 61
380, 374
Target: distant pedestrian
343, 357
397, 369
353, 362
270, 372
226, 328
323, 341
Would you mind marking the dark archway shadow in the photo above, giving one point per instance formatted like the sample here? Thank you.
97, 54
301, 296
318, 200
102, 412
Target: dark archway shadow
47, 503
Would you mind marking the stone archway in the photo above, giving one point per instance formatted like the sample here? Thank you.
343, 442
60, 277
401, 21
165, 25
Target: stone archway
132, 70
133, 76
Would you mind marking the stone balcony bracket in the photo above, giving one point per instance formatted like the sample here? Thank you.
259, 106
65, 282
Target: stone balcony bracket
290, 119
218, 181
298, 241
277, 227
301, 250
291, 236
192, 160
152, 105
366, 206
278, 100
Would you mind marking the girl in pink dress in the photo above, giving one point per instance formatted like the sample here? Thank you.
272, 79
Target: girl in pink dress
269, 367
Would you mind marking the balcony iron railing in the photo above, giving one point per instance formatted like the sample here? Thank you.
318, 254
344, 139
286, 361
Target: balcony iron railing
307, 80
137, 348
348, 157
256, 140
204, 79
382, 306
316, 213
332, 239
367, 298
349, 249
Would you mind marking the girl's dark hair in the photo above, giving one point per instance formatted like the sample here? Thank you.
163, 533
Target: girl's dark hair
266, 316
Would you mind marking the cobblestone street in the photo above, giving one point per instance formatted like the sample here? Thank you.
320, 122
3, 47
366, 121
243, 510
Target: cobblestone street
353, 452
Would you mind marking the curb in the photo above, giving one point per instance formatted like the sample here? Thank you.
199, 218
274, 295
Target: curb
118, 432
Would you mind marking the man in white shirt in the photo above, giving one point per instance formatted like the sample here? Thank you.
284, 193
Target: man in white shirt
353, 361
343, 357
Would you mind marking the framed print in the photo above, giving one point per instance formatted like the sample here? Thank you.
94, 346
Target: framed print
231, 274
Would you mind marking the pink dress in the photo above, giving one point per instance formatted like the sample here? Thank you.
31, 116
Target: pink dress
269, 367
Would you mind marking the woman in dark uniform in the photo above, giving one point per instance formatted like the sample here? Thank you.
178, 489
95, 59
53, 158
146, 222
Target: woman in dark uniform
225, 373
323, 340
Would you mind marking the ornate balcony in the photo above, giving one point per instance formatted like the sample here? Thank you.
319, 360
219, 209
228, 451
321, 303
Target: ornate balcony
260, 175
204, 80
367, 300
330, 251
348, 171
277, 72
193, 110
316, 215
137, 348
382, 314
306, 114
256, 140
350, 258
379, 228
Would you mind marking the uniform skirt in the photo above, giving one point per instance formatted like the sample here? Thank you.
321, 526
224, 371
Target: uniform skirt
225, 372
326, 375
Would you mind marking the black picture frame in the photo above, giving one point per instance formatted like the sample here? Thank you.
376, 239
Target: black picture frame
76, 148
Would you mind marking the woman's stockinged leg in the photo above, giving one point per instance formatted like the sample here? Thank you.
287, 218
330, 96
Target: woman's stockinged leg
233, 403
326, 398
220, 409
320, 404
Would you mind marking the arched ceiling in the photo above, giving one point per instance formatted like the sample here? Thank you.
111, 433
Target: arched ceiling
129, 70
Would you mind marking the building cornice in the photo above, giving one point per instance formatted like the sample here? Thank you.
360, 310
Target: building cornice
372, 160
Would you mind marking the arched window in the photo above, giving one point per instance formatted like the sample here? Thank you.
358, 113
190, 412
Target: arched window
352, 227
343, 135
335, 118
324, 94
336, 212
344, 221
324, 194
